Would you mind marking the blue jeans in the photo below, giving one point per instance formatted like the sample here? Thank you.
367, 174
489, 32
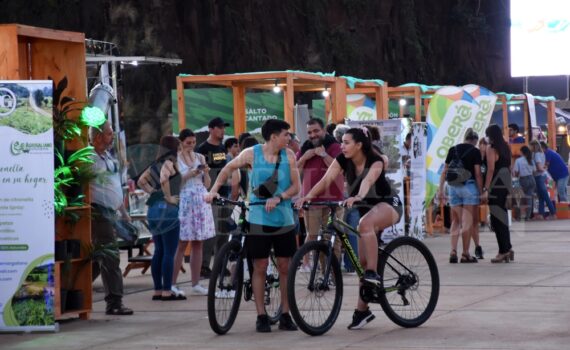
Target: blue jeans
466, 194
165, 228
561, 185
542, 194
352, 217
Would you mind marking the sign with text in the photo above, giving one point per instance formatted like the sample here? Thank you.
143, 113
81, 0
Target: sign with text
26, 206
418, 180
204, 104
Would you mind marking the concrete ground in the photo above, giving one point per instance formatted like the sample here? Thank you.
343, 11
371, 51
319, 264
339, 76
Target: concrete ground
520, 305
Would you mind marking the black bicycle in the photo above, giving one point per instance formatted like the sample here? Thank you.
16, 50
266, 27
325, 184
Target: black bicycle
230, 278
410, 279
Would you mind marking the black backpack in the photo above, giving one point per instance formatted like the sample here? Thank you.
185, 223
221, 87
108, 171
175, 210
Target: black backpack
456, 173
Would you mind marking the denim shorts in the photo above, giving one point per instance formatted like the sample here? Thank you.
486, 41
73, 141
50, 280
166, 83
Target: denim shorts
467, 194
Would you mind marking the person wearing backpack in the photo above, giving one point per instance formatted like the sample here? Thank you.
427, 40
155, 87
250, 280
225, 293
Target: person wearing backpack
462, 172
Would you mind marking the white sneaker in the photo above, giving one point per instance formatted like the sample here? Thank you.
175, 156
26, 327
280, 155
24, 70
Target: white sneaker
225, 294
177, 291
199, 290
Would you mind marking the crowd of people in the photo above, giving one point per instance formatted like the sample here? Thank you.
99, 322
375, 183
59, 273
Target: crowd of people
488, 176
335, 163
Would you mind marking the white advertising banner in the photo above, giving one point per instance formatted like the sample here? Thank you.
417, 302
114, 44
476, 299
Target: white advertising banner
26, 206
418, 180
392, 144
451, 112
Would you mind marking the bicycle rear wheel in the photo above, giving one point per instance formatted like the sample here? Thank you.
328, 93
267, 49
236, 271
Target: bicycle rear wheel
272, 291
314, 304
410, 280
225, 288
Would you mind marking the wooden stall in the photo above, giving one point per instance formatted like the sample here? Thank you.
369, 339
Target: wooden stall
288, 81
421, 94
505, 100
373, 88
31, 53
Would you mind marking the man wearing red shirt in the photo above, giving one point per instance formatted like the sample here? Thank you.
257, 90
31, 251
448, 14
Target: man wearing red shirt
314, 158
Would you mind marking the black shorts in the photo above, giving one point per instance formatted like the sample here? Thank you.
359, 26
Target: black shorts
259, 244
394, 202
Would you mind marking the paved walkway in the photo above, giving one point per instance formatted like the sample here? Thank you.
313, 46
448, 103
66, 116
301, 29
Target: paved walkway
520, 305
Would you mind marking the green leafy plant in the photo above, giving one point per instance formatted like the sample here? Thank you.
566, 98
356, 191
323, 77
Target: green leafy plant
75, 170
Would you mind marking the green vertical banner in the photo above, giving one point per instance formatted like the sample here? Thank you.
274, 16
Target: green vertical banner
27, 222
203, 104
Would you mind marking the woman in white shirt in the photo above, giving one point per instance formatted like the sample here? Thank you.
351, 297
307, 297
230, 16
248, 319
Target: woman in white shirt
524, 169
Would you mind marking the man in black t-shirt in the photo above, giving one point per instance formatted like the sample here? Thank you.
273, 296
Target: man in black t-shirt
215, 153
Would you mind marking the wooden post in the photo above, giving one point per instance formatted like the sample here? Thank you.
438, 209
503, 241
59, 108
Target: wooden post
11, 67
381, 95
338, 95
181, 105
526, 124
289, 102
505, 117
551, 121
418, 104
239, 110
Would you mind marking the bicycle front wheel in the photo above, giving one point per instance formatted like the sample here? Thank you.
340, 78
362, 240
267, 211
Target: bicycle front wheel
225, 288
410, 280
314, 299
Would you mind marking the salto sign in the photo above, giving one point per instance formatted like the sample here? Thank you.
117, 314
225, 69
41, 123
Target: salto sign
7, 102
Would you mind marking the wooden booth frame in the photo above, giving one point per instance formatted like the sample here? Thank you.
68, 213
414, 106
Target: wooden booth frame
289, 81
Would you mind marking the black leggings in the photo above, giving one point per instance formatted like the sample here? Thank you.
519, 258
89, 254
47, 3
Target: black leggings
499, 218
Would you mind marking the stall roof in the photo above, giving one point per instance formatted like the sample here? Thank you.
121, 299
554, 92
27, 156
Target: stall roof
132, 59
510, 97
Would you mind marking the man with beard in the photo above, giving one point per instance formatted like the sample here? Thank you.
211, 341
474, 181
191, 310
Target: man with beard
315, 157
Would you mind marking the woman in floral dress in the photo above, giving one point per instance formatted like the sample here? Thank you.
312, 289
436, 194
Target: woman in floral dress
195, 215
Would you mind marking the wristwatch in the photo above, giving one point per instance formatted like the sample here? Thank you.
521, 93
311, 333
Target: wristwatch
280, 198
484, 189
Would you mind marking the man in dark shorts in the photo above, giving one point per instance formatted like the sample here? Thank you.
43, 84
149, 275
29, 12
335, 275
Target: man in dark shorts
270, 212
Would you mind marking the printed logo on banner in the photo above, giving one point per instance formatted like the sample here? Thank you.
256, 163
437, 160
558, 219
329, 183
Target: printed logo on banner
8, 102
486, 100
17, 148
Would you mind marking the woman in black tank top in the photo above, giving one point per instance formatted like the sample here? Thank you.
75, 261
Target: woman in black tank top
364, 171
497, 186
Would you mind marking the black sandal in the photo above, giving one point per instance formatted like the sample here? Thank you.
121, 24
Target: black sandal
466, 258
453, 257
173, 296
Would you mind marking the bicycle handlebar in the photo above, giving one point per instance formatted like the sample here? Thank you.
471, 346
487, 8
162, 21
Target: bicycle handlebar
221, 201
330, 204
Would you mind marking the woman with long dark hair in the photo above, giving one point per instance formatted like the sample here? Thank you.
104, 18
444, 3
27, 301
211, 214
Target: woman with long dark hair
524, 169
162, 217
370, 192
498, 185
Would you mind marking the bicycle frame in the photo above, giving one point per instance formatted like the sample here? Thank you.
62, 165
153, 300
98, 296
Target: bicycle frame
336, 228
